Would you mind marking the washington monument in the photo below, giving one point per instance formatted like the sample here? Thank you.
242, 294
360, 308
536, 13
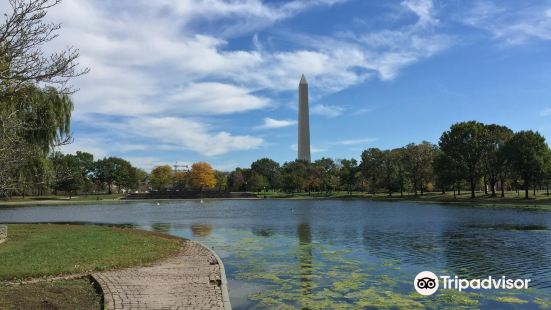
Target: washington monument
303, 121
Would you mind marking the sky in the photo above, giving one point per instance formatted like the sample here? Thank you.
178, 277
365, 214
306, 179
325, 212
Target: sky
216, 80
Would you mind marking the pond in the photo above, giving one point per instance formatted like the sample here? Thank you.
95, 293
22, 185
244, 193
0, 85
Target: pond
345, 253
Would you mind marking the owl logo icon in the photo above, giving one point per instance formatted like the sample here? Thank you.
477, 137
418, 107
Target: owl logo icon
426, 283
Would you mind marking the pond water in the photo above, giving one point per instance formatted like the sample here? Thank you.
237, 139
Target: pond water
345, 253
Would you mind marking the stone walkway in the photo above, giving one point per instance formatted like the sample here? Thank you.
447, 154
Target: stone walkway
192, 279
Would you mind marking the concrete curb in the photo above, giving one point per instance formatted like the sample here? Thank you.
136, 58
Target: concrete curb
224, 284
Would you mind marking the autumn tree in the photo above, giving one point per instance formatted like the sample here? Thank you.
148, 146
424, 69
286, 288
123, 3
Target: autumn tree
202, 176
161, 177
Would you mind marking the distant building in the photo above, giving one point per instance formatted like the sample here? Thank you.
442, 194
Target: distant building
303, 121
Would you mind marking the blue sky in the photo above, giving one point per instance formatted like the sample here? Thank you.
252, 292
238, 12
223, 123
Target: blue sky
216, 81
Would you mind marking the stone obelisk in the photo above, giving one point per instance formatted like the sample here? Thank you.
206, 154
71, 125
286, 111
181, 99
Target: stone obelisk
303, 121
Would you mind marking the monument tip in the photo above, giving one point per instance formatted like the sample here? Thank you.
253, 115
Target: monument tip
303, 80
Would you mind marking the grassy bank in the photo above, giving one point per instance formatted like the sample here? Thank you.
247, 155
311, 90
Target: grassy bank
541, 201
59, 200
44, 250
33, 251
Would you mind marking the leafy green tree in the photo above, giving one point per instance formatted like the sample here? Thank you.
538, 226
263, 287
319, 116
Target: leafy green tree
221, 180
257, 182
447, 172
418, 164
268, 168
371, 166
494, 161
349, 174
527, 154
399, 155
328, 174
294, 175
465, 143
35, 108
68, 173
389, 169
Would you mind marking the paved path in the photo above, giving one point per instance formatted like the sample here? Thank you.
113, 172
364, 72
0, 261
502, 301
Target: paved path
192, 279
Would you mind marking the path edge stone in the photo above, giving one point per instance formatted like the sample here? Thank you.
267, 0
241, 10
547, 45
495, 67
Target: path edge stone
109, 303
223, 280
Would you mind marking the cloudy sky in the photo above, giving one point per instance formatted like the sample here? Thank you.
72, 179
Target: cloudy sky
216, 80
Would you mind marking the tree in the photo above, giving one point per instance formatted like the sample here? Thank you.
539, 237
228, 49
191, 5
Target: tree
221, 180
268, 168
465, 144
35, 108
257, 182
236, 180
161, 177
181, 180
371, 166
68, 173
418, 164
294, 175
328, 174
446, 171
202, 176
399, 156
349, 174
527, 154
389, 169
494, 161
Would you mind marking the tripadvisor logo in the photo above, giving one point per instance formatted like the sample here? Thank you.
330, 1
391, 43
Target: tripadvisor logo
426, 283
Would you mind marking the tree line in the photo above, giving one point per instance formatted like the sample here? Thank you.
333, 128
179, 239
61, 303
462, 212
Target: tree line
469, 156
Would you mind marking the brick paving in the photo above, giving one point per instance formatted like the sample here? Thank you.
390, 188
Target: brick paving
192, 279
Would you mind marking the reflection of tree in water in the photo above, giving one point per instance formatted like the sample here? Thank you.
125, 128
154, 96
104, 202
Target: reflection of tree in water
262, 232
201, 230
161, 227
305, 258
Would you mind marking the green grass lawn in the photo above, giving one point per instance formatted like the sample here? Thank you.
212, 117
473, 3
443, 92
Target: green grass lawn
59, 199
38, 250
541, 201
43, 250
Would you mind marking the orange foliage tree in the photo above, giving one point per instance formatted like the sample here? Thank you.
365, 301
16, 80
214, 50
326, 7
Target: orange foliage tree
202, 176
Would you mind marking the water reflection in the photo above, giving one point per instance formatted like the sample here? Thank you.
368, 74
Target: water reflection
330, 254
305, 258
201, 230
161, 227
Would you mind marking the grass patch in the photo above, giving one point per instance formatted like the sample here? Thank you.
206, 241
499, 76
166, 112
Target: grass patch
63, 294
33, 250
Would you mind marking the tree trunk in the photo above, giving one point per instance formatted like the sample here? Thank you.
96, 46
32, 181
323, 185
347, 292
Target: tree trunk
526, 189
502, 181
547, 187
485, 186
473, 188
401, 190
493, 182
534, 190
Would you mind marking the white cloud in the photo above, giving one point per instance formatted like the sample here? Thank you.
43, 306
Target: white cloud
216, 98
513, 26
190, 135
327, 110
270, 123
356, 141
169, 69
